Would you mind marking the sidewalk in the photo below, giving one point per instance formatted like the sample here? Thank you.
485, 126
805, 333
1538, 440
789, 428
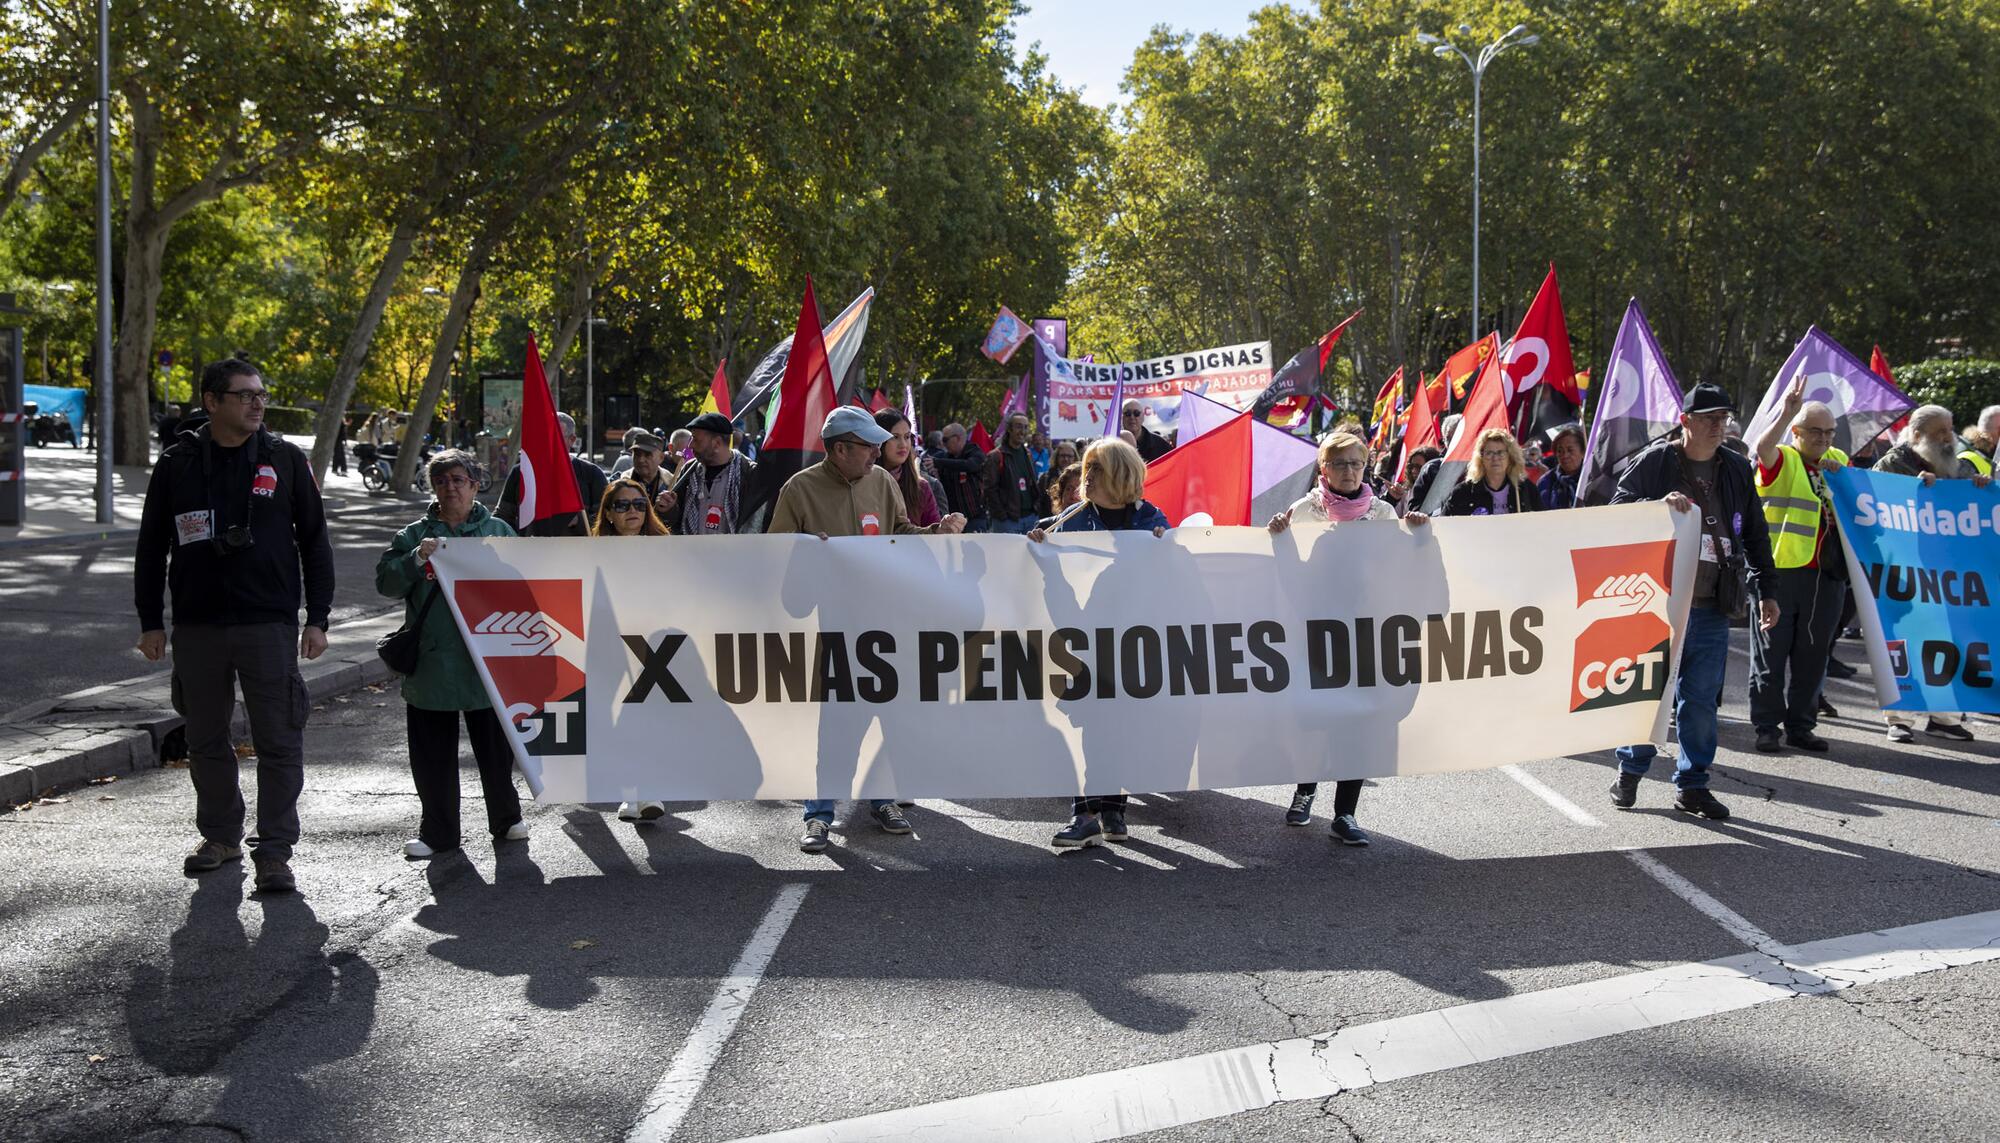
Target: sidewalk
120, 727
62, 495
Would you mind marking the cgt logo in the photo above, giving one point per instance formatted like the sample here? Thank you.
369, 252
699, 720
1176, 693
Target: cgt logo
529, 634
1621, 657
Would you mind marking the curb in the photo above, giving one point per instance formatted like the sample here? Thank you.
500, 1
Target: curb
120, 730
94, 536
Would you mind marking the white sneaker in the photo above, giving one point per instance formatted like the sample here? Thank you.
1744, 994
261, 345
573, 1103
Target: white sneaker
628, 811
416, 848
516, 832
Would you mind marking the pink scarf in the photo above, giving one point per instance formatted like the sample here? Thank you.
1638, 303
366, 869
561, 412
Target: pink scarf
1342, 508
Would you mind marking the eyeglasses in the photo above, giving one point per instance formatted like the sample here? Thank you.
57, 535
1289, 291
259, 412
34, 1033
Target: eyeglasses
1130, 413
628, 505
453, 480
250, 396
1347, 464
1816, 434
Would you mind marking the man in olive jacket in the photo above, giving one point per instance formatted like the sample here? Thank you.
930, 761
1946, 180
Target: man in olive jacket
848, 494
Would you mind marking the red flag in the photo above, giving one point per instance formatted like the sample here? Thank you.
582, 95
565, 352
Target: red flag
1461, 367
718, 390
806, 394
1425, 428
1538, 378
1879, 366
1485, 408
878, 402
1211, 473
1387, 401
980, 437
550, 503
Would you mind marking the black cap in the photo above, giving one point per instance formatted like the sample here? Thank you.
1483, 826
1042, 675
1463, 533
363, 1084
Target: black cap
712, 423
1706, 398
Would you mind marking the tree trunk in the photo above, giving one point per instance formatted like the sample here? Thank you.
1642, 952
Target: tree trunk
25, 159
455, 317
354, 354
132, 380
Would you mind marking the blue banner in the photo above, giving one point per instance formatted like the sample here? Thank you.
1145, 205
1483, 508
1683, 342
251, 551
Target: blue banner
1923, 561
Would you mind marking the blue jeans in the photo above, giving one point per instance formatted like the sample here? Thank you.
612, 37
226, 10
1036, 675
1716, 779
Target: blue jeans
1016, 527
1704, 658
822, 808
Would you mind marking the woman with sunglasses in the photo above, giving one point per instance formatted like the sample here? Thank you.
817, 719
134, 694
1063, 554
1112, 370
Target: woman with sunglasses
626, 510
1339, 496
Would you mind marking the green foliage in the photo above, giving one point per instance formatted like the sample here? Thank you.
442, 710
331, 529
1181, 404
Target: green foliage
288, 421
1963, 385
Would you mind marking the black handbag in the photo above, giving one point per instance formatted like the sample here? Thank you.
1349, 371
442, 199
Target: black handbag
399, 647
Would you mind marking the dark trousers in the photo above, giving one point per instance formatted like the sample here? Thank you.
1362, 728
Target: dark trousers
1788, 662
1097, 804
1346, 794
434, 769
210, 661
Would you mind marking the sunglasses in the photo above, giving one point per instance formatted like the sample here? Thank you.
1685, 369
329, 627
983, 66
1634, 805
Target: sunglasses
628, 505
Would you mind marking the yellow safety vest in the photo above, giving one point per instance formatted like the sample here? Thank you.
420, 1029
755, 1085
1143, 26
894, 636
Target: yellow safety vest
1792, 507
1978, 460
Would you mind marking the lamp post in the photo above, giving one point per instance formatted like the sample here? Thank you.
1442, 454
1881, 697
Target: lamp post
1445, 49
105, 439
590, 323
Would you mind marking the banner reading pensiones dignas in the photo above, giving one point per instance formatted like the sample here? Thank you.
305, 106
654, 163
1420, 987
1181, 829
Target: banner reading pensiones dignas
991, 666
1080, 392
1920, 561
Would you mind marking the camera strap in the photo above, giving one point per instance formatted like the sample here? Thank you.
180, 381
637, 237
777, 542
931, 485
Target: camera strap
221, 511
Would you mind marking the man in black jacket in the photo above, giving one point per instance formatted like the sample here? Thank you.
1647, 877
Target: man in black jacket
233, 524
710, 498
962, 469
1693, 472
1151, 445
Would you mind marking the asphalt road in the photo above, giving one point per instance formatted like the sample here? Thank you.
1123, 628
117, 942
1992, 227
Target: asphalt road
544, 992
69, 623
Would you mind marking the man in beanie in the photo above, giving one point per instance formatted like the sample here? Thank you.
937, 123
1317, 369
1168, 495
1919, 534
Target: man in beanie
1693, 472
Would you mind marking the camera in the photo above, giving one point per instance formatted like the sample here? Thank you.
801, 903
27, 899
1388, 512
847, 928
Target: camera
235, 539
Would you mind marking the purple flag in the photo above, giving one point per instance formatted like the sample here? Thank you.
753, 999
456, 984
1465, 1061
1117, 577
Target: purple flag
1863, 403
910, 411
1637, 401
1051, 335
1114, 417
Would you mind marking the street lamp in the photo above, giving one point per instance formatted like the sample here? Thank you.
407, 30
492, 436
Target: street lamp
1445, 49
590, 324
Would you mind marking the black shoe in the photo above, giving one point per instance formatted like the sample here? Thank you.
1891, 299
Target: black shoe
1083, 831
1953, 731
1806, 740
1835, 669
890, 819
1826, 709
1301, 811
209, 856
1625, 791
274, 875
1703, 804
1113, 822
1899, 733
1347, 831
814, 839
1768, 739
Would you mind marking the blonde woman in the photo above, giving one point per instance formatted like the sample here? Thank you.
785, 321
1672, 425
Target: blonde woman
1114, 486
1339, 495
1496, 482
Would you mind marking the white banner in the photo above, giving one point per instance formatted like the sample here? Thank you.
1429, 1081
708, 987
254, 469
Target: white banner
685, 668
1080, 393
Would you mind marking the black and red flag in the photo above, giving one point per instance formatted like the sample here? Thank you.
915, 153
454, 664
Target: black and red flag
550, 503
1538, 375
805, 397
1303, 375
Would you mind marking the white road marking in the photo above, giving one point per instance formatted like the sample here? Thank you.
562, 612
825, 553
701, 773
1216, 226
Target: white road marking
675, 1093
1563, 805
1732, 922
1193, 1089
